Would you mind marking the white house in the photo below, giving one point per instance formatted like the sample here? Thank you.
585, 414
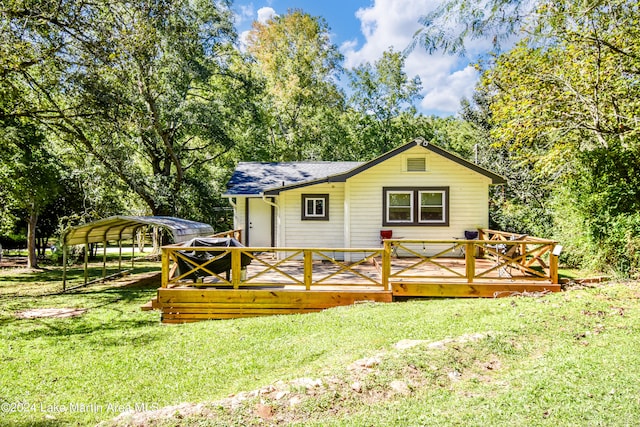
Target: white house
418, 191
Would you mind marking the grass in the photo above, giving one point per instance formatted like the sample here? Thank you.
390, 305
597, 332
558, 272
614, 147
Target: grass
564, 359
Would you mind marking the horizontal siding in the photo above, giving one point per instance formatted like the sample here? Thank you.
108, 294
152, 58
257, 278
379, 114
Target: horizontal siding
239, 220
468, 198
305, 234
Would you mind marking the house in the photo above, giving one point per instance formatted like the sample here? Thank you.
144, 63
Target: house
418, 191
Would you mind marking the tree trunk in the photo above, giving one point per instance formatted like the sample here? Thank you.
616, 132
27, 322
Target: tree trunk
32, 259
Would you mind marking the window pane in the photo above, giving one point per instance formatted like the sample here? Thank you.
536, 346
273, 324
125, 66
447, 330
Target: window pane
400, 206
431, 199
431, 214
399, 214
431, 206
400, 199
314, 207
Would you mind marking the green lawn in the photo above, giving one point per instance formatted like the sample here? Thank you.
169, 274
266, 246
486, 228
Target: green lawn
564, 359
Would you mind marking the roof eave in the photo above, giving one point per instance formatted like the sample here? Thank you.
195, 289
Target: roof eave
278, 190
495, 178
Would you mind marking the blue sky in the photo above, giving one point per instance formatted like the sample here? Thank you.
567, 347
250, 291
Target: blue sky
364, 29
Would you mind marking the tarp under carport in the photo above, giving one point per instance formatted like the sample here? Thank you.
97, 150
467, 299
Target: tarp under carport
118, 228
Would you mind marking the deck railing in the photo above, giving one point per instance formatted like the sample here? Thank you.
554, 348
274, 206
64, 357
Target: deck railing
274, 267
236, 234
495, 256
505, 257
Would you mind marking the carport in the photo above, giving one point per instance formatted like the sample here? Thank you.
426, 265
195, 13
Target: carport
119, 228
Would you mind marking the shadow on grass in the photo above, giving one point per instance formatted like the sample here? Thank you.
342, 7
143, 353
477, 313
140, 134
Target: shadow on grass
49, 283
73, 274
108, 310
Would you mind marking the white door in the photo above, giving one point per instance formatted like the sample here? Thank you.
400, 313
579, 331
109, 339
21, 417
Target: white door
259, 223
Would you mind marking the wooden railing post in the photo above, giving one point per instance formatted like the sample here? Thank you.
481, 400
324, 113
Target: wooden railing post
481, 237
164, 281
236, 267
553, 263
386, 265
308, 268
470, 260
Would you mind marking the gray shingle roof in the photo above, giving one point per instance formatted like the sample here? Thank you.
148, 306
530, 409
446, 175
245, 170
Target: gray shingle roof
253, 178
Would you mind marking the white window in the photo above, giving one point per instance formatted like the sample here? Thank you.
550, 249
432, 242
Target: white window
432, 206
315, 207
416, 206
399, 206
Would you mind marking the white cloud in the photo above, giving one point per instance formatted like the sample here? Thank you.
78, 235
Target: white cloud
446, 96
392, 23
348, 46
265, 14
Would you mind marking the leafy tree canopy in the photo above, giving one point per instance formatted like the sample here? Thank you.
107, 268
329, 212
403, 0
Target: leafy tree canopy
132, 84
298, 64
564, 101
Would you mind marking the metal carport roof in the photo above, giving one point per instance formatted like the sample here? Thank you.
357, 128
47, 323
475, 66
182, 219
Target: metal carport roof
120, 227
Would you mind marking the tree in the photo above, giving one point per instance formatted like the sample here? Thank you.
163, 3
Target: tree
29, 177
566, 98
134, 85
524, 204
383, 99
298, 64
453, 23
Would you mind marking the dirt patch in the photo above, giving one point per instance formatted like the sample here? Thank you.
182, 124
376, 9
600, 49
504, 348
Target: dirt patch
58, 313
285, 402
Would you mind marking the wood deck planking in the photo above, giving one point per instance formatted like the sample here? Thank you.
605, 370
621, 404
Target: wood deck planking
198, 304
468, 290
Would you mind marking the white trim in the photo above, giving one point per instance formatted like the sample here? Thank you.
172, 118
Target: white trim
442, 206
411, 196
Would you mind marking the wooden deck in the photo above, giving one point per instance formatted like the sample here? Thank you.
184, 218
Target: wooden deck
302, 280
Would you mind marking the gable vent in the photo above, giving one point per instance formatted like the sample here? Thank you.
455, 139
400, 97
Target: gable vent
416, 164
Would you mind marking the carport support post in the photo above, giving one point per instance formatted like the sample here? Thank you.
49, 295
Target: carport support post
64, 267
86, 261
133, 245
120, 250
104, 259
